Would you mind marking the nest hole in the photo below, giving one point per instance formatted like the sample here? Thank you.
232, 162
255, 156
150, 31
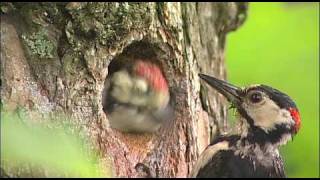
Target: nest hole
135, 51
139, 50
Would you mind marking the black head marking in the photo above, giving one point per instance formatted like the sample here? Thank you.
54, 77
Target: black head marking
280, 98
283, 101
239, 96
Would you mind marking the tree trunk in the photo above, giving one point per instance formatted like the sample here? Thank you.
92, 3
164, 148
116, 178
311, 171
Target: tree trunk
55, 58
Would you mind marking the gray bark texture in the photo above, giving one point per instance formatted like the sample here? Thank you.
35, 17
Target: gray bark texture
55, 58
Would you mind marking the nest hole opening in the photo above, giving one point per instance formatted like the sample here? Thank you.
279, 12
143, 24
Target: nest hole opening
137, 51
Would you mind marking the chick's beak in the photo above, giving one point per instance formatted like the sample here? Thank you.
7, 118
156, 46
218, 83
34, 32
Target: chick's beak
231, 92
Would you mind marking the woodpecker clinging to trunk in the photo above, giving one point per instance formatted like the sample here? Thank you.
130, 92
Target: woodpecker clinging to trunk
269, 118
137, 97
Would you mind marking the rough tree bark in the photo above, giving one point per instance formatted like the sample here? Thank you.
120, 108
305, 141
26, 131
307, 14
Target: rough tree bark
55, 58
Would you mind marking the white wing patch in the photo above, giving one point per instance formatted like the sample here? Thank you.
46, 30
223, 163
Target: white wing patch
206, 155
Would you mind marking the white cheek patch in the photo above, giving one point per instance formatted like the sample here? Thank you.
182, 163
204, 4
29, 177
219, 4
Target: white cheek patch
269, 114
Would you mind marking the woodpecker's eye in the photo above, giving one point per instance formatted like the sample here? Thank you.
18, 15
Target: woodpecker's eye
255, 97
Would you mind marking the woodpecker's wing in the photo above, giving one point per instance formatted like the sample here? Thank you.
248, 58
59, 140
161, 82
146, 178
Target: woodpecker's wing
227, 165
220, 160
210, 161
213, 157
224, 163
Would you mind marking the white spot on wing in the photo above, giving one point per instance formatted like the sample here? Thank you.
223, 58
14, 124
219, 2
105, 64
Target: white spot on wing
206, 155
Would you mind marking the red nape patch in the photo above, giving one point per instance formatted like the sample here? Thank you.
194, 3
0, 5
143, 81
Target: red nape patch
152, 74
296, 117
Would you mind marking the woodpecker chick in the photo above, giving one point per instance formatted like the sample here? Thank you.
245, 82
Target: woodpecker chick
137, 98
269, 119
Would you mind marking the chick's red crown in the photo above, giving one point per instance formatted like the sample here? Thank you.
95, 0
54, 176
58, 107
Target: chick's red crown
152, 74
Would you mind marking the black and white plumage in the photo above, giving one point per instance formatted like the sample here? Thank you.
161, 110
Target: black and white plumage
268, 117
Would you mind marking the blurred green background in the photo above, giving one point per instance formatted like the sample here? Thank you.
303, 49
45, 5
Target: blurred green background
278, 45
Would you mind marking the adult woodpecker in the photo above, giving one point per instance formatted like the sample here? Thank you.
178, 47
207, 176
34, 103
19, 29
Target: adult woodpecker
269, 118
136, 98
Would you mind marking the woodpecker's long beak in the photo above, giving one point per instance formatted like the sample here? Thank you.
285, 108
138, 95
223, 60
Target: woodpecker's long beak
231, 92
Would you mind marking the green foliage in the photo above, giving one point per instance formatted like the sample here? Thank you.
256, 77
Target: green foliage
53, 149
278, 45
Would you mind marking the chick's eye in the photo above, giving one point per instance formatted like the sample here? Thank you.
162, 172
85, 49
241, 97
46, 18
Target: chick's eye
256, 97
